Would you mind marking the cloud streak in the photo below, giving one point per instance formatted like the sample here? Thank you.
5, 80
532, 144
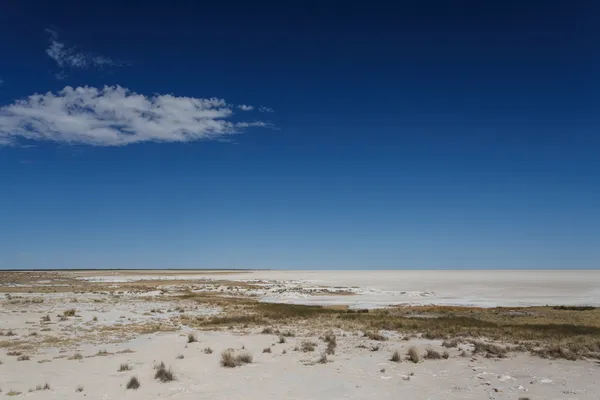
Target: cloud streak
69, 57
116, 116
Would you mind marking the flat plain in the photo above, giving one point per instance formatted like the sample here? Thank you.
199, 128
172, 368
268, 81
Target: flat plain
300, 334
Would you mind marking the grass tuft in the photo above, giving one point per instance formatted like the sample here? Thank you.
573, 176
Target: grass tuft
413, 354
192, 337
133, 383
396, 356
163, 373
124, 367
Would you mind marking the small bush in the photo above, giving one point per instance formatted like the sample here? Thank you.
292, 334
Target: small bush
308, 346
376, 347
76, 356
267, 350
124, 367
431, 354
23, 358
281, 340
375, 336
79, 389
70, 312
395, 356
244, 358
133, 383
451, 343
46, 318
102, 352
192, 338
180, 357
13, 393
46, 386
267, 331
208, 350
288, 334
13, 353
413, 354
445, 355
491, 350
95, 319
229, 360
323, 359
330, 348
163, 374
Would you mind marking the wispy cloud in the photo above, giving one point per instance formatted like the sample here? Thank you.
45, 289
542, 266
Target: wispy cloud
265, 109
116, 116
245, 107
68, 57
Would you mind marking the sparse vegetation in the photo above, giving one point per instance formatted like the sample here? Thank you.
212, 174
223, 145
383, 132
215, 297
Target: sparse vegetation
191, 337
13, 393
308, 346
431, 354
76, 356
230, 360
267, 331
375, 336
102, 352
281, 340
208, 350
14, 353
70, 312
180, 357
133, 383
23, 358
396, 356
95, 319
451, 343
163, 373
79, 389
445, 355
267, 350
489, 349
413, 354
46, 318
331, 341
323, 359
124, 367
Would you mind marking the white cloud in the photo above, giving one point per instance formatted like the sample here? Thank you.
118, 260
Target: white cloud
245, 107
265, 109
69, 57
115, 116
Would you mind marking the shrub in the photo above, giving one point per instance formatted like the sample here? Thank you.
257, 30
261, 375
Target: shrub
281, 339
431, 354
76, 356
446, 355
102, 352
124, 367
208, 350
395, 356
375, 336
46, 386
228, 359
79, 389
267, 350
413, 354
23, 358
323, 359
13, 393
192, 338
133, 383
46, 318
163, 374
70, 312
491, 350
267, 331
180, 357
308, 346
95, 319
450, 343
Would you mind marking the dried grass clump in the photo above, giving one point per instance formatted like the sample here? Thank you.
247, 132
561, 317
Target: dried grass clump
308, 346
267, 331
489, 349
23, 358
375, 336
431, 354
396, 356
230, 360
70, 312
413, 354
451, 343
133, 383
267, 350
208, 350
163, 373
124, 367
192, 337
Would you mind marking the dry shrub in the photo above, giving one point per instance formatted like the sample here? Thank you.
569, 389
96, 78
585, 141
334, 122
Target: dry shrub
229, 360
323, 359
267, 350
395, 356
124, 367
446, 355
191, 337
413, 354
308, 346
79, 389
267, 331
23, 358
431, 354
70, 312
281, 340
163, 373
46, 318
208, 350
490, 349
180, 357
76, 356
134, 383
375, 336
451, 343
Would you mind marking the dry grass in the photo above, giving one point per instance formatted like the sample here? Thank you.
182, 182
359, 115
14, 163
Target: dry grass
180, 357
163, 373
331, 341
413, 354
267, 331
46, 318
70, 312
230, 360
79, 389
267, 350
191, 338
490, 350
208, 350
281, 340
451, 343
375, 336
76, 356
133, 383
307, 346
323, 359
396, 356
23, 358
124, 367
431, 354
13, 393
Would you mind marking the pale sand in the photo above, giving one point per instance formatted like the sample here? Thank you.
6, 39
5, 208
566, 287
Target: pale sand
352, 373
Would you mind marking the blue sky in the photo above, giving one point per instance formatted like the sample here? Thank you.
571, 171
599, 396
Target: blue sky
299, 135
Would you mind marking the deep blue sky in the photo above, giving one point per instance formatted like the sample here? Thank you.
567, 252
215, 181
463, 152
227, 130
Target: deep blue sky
417, 135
